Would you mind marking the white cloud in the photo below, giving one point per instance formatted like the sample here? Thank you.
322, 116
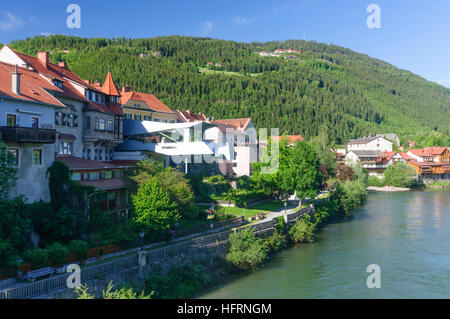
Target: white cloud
9, 21
46, 34
241, 20
207, 27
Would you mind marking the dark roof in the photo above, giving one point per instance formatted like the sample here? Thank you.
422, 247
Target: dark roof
77, 163
368, 153
106, 184
362, 140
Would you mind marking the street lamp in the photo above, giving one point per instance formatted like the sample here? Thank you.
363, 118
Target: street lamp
285, 204
141, 235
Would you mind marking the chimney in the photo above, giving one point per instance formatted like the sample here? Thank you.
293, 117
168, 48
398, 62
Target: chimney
125, 89
62, 64
43, 57
15, 85
87, 81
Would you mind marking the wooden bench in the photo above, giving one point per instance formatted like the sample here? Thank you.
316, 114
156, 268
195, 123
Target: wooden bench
33, 275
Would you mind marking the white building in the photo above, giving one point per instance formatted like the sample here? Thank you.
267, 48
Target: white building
374, 143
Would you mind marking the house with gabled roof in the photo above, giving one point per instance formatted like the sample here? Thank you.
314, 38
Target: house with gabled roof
55, 115
371, 143
145, 107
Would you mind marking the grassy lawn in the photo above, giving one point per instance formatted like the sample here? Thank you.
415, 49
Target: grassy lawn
249, 212
208, 71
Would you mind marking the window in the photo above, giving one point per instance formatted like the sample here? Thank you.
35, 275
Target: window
93, 176
66, 148
87, 153
156, 119
128, 116
137, 117
108, 174
14, 155
58, 83
69, 120
37, 157
101, 124
87, 123
59, 118
35, 122
110, 126
11, 120
76, 176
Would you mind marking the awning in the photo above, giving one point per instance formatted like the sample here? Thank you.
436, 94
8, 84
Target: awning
67, 137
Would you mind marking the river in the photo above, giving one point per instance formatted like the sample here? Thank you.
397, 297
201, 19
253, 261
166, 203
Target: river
406, 233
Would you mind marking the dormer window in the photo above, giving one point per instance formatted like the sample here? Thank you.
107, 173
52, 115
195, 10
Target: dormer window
58, 84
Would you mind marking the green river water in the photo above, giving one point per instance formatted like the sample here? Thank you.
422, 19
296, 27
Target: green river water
406, 233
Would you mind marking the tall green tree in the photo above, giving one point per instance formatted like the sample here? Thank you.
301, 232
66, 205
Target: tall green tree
300, 171
154, 209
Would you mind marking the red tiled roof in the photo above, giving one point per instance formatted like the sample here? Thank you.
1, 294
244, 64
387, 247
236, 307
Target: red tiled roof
437, 150
428, 151
77, 163
106, 184
33, 87
389, 155
109, 87
240, 124
112, 108
291, 138
417, 163
188, 116
152, 101
53, 70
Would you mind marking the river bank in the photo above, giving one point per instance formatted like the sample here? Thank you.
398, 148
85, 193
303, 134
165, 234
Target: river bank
405, 233
388, 189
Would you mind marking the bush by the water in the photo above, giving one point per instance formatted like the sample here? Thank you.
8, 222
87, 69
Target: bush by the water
303, 230
399, 175
247, 252
179, 281
375, 181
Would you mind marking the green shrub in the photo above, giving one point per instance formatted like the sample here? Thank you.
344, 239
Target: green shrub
247, 252
353, 194
57, 253
399, 175
154, 209
276, 242
179, 282
38, 258
375, 181
302, 231
78, 247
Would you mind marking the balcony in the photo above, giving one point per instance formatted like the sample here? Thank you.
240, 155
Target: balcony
28, 135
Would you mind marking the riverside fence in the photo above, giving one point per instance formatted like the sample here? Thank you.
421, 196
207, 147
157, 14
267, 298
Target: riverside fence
88, 273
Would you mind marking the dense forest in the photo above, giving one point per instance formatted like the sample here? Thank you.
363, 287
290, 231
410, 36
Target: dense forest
327, 88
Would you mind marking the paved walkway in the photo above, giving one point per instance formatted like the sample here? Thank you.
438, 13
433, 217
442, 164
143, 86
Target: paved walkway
290, 208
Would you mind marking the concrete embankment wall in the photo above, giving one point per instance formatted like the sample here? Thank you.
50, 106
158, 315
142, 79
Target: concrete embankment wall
139, 265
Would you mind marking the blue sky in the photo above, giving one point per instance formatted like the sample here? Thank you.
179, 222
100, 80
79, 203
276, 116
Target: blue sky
414, 34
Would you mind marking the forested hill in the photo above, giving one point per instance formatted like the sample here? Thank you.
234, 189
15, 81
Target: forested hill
327, 88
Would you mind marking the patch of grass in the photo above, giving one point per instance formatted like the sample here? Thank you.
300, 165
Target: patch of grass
230, 73
249, 212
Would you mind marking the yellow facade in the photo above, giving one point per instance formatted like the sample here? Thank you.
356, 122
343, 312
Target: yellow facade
138, 110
